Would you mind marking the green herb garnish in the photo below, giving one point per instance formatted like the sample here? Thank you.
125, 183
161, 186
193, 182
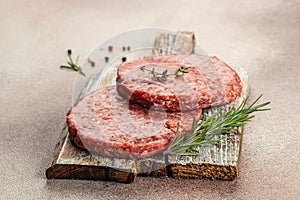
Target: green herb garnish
71, 65
181, 70
205, 131
162, 76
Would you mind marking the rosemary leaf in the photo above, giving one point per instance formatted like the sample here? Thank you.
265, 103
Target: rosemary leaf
205, 132
71, 65
161, 77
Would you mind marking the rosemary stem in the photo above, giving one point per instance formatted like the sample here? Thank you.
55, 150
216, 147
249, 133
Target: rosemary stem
71, 65
205, 132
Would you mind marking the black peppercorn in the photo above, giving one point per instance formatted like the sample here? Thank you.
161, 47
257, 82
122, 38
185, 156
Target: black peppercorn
124, 59
69, 51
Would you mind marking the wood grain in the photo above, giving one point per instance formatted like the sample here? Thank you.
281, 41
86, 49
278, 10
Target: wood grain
218, 162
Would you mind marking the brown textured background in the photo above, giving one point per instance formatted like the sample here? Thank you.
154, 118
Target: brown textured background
260, 35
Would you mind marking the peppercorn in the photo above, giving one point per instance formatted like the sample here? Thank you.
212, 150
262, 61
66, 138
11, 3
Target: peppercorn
93, 63
124, 59
110, 48
106, 59
124, 48
128, 48
69, 51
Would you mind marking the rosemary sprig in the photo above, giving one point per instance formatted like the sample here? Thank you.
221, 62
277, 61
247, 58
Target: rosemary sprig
204, 132
162, 76
71, 65
181, 70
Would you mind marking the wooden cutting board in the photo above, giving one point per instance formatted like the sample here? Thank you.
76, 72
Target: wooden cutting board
220, 161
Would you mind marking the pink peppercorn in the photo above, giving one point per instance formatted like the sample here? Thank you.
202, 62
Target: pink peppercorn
93, 63
110, 48
124, 48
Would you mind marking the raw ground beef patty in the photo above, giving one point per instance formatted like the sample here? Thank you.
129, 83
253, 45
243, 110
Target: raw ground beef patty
106, 124
209, 82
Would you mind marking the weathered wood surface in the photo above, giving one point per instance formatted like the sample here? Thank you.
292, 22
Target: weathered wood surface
181, 42
71, 162
219, 161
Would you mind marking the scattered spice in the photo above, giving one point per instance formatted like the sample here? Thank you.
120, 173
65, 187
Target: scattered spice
124, 59
106, 58
93, 63
110, 48
128, 48
124, 48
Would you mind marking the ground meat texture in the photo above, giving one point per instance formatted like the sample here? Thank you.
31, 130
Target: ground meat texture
106, 124
209, 82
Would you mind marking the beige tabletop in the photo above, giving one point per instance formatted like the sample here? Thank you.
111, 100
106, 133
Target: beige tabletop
261, 36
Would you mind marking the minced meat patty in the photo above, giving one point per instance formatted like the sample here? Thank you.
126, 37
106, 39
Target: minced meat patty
209, 82
106, 124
